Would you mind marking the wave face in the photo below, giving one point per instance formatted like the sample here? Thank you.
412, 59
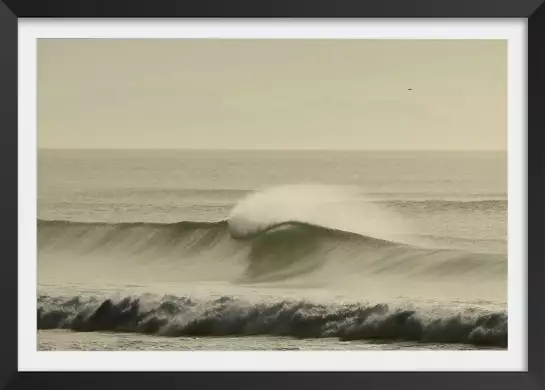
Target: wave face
284, 233
227, 316
280, 251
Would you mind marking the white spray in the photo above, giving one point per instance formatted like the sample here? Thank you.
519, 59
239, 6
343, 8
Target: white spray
336, 207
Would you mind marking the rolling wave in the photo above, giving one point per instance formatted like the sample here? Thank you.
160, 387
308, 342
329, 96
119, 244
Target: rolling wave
274, 234
278, 251
228, 316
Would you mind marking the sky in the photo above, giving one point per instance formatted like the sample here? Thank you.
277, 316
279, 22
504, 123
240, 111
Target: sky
272, 94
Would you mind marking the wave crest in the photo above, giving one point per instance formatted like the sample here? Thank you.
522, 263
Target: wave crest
331, 207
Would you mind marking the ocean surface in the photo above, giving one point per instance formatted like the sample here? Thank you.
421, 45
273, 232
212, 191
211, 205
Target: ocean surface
271, 250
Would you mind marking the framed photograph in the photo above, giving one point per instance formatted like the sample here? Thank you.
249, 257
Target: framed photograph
309, 194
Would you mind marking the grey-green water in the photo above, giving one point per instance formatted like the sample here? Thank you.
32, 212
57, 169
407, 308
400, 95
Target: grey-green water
383, 250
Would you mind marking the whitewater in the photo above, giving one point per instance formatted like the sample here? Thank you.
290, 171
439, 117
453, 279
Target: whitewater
271, 250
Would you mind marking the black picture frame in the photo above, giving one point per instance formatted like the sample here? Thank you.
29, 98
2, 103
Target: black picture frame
532, 10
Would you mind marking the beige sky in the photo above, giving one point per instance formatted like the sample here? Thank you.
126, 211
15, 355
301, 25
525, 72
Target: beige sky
272, 94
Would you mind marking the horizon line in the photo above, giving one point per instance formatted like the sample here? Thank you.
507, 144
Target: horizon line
271, 149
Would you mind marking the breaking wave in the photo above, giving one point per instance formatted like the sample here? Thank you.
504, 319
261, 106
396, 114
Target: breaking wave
280, 251
228, 316
275, 234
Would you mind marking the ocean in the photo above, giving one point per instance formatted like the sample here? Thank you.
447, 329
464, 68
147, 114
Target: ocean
271, 250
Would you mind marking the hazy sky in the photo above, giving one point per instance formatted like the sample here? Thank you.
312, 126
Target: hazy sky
272, 94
